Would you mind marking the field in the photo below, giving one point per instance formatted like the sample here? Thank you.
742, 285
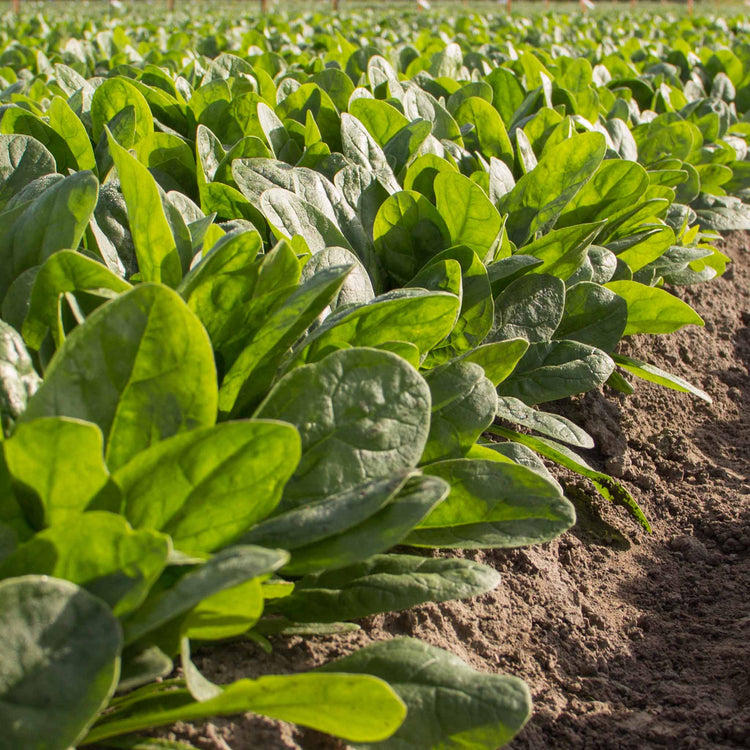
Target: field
373, 380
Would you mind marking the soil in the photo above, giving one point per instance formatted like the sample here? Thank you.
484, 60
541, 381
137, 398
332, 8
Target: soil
627, 640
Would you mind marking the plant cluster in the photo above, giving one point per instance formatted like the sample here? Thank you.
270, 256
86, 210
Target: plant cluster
281, 295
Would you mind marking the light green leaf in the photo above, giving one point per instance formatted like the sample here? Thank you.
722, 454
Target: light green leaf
66, 123
140, 367
656, 375
205, 487
489, 137
381, 119
492, 505
540, 196
99, 552
56, 467
225, 570
65, 271
114, 95
155, 246
358, 708
413, 315
652, 310
471, 218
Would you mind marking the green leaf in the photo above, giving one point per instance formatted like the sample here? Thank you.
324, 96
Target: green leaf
656, 375
492, 505
651, 245
311, 98
66, 123
386, 528
381, 119
18, 378
113, 96
673, 140
169, 159
553, 425
408, 232
205, 487
374, 425
552, 370
155, 246
99, 552
413, 315
66, 207
420, 176
57, 468
617, 184
562, 251
49, 699
22, 160
530, 307
450, 705
477, 307
406, 144
219, 288
507, 93
384, 583
19, 120
140, 367
471, 218
498, 359
652, 310
226, 614
594, 315
225, 570
358, 708
358, 145
607, 487
539, 197
289, 216
315, 521
65, 271
489, 137
255, 368
463, 406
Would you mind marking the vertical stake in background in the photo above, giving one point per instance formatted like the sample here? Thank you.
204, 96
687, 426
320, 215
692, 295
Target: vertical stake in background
170, 5
264, 6
335, 6
16, 6
508, 4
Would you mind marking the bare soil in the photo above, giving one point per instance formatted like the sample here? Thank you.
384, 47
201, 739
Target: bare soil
627, 640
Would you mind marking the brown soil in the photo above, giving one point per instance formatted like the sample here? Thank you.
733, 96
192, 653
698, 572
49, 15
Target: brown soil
627, 640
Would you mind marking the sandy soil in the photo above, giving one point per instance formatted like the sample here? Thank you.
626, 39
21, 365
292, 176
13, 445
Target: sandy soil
627, 640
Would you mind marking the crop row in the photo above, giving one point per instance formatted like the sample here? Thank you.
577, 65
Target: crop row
281, 295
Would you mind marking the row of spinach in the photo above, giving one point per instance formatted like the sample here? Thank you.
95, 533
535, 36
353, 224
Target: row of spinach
267, 314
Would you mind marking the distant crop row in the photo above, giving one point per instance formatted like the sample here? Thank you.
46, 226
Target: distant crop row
280, 295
